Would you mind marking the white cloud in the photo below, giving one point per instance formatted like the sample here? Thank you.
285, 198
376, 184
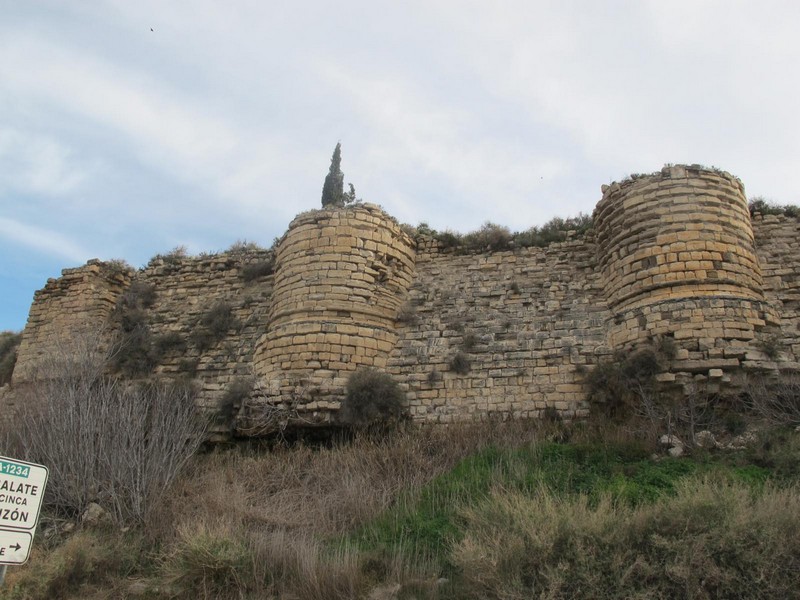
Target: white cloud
412, 132
48, 242
170, 131
36, 163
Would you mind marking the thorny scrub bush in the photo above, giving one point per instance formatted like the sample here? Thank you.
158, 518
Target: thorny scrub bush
460, 363
616, 386
214, 325
372, 398
135, 354
257, 270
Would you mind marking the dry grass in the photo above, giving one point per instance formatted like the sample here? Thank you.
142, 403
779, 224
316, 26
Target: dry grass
284, 522
713, 539
327, 491
254, 524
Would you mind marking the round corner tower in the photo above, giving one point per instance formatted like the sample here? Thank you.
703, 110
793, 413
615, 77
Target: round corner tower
341, 276
677, 255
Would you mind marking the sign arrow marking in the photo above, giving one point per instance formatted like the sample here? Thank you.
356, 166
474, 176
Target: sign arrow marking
16, 547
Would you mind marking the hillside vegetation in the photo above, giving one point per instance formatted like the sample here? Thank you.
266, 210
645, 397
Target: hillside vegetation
9, 342
491, 510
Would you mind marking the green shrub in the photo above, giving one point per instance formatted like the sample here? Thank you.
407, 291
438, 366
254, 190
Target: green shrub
172, 258
372, 398
9, 343
136, 354
407, 315
460, 363
554, 230
188, 366
469, 341
244, 247
425, 229
791, 210
449, 239
489, 237
139, 295
734, 423
759, 205
165, 343
213, 325
118, 266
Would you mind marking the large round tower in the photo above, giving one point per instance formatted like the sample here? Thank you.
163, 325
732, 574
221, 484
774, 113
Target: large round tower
341, 276
677, 257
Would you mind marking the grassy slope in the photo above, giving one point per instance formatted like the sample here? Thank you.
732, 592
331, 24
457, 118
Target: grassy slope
495, 512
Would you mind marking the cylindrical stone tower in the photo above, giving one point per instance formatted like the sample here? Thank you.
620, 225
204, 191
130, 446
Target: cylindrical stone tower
341, 276
677, 257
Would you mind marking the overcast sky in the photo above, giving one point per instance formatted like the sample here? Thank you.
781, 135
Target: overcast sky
130, 127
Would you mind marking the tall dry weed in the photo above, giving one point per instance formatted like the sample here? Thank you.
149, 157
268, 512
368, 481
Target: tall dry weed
713, 539
331, 490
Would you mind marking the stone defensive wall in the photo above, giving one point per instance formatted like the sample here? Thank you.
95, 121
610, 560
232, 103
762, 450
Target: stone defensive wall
68, 307
270, 337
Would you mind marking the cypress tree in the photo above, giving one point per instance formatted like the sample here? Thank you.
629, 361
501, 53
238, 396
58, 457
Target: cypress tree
333, 188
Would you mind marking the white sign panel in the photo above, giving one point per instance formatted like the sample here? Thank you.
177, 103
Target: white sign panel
15, 546
21, 493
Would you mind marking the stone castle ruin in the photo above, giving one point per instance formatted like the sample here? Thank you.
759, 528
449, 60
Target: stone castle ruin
271, 337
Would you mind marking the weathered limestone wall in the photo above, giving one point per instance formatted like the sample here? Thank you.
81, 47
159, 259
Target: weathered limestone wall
172, 338
528, 322
678, 260
777, 239
341, 277
76, 304
674, 255
187, 292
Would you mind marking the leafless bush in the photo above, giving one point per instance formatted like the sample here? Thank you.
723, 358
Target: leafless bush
105, 440
776, 400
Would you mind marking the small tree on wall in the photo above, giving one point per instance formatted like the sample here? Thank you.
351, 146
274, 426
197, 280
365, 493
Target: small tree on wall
333, 193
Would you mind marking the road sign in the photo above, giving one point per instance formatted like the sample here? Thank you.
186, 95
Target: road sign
21, 493
15, 546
